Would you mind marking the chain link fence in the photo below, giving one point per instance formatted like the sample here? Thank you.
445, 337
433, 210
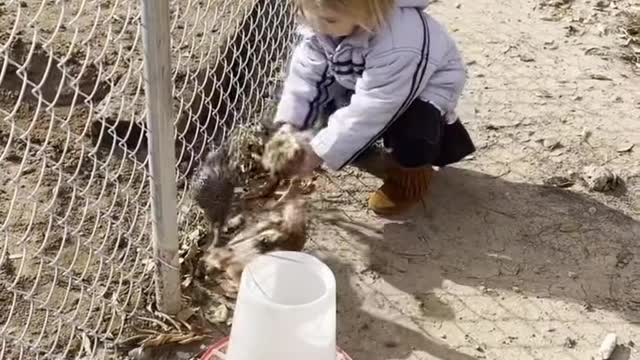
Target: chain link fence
76, 256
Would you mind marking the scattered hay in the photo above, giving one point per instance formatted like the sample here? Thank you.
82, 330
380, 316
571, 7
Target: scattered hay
246, 145
631, 33
160, 336
273, 229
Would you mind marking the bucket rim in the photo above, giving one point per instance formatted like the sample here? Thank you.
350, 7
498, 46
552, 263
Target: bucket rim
325, 273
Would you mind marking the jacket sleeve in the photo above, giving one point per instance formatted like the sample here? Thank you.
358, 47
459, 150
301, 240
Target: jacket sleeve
385, 90
306, 88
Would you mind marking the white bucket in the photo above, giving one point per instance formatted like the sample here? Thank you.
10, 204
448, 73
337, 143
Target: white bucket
285, 310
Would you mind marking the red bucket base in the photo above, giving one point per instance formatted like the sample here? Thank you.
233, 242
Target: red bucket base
221, 346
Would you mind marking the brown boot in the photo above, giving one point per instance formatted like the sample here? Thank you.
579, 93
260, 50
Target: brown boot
402, 189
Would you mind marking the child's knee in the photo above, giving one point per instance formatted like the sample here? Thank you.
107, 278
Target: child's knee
415, 153
415, 139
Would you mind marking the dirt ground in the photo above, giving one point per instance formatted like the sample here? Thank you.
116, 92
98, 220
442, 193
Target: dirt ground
499, 263
74, 221
512, 256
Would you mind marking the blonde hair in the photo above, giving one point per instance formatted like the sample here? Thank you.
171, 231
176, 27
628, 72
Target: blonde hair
369, 14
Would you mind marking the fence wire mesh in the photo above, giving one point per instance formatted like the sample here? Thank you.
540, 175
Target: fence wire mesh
76, 258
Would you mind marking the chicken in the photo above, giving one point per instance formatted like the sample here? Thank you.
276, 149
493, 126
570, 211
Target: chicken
282, 230
213, 190
282, 154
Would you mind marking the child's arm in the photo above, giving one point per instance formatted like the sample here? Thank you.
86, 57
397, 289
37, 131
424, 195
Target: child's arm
305, 89
389, 84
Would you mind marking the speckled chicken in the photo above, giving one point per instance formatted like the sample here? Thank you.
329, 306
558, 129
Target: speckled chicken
284, 229
213, 190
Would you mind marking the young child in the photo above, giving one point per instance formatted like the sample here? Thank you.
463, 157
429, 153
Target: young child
382, 70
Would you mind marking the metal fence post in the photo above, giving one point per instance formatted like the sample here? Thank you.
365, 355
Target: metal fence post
157, 72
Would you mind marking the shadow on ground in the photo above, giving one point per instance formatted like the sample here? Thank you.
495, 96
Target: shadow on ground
365, 335
545, 241
480, 231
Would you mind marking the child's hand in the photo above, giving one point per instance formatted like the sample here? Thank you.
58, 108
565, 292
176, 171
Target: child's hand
288, 128
311, 161
300, 164
303, 136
